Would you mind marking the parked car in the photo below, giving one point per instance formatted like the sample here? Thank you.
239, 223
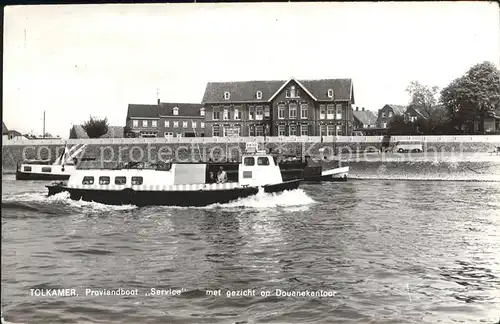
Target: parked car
408, 146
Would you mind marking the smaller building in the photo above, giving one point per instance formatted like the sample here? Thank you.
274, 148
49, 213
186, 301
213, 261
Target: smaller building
491, 122
5, 132
77, 132
181, 120
387, 113
15, 135
142, 120
365, 121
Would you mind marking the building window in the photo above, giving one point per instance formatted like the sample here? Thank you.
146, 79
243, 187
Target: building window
104, 180
216, 130
331, 130
303, 111
251, 113
390, 114
322, 111
179, 135
383, 115
292, 92
384, 125
167, 123
176, 124
330, 111
281, 111
304, 130
339, 130
281, 130
184, 124
144, 123
259, 131
322, 130
226, 95
202, 112
193, 124
176, 111
155, 123
330, 93
267, 112
225, 116
202, 124
250, 131
135, 123
259, 114
293, 130
216, 115
136, 181
339, 111
88, 181
237, 113
169, 134
259, 95
293, 110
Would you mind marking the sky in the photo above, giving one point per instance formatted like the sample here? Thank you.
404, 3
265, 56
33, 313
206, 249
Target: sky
74, 61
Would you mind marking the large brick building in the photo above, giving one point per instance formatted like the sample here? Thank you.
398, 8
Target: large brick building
166, 119
279, 108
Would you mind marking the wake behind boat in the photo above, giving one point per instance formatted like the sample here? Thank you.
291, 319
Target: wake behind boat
176, 184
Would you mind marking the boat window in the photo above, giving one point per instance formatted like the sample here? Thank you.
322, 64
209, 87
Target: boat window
27, 168
120, 180
46, 169
263, 161
88, 181
136, 181
249, 161
104, 180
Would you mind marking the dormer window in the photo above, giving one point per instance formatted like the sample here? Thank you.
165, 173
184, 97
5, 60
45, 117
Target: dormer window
330, 93
176, 111
259, 94
202, 111
226, 95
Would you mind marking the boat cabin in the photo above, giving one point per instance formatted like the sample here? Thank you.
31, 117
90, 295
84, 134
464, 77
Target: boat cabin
255, 169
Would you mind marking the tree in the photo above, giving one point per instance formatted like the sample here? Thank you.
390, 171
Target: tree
424, 100
95, 128
472, 97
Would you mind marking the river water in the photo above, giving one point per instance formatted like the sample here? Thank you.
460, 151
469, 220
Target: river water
376, 251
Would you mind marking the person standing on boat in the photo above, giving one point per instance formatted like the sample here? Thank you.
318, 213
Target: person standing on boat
221, 175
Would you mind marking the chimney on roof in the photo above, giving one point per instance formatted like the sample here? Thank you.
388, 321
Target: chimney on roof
363, 109
357, 108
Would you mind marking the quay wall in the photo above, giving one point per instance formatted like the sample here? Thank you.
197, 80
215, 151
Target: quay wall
220, 149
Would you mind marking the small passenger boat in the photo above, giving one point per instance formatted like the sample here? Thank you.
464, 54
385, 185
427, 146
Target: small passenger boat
60, 169
176, 184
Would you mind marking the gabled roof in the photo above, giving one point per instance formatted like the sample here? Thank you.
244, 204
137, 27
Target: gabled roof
240, 91
5, 130
245, 91
185, 109
286, 83
365, 117
397, 109
77, 131
14, 133
145, 111
342, 88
